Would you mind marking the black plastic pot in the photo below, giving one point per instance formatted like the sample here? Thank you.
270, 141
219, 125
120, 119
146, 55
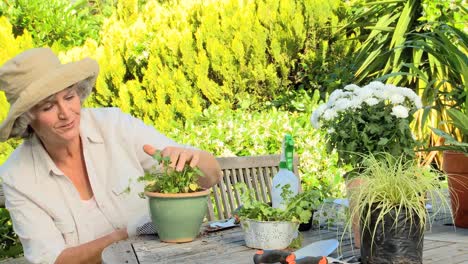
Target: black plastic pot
307, 226
390, 243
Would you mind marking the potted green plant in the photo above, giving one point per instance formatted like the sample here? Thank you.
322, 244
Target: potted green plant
366, 120
370, 119
177, 203
266, 227
392, 208
455, 164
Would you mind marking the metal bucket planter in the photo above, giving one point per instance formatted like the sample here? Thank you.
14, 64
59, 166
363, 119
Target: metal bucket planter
268, 234
390, 243
178, 217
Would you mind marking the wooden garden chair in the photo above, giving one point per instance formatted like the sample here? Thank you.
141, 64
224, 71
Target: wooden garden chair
255, 171
2, 197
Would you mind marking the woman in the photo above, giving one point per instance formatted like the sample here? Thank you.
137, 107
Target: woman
66, 185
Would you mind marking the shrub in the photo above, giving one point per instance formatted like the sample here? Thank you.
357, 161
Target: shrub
66, 22
10, 246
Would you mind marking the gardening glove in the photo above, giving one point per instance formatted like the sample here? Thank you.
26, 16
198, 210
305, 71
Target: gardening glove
141, 225
139, 220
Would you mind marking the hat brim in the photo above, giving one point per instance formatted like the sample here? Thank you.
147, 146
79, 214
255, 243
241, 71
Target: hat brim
55, 81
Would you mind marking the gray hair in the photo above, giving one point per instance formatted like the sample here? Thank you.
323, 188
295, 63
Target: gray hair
21, 127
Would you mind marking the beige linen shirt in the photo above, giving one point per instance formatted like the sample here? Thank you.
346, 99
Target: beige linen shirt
44, 204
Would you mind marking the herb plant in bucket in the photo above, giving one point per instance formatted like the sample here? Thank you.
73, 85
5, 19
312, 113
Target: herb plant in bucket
266, 227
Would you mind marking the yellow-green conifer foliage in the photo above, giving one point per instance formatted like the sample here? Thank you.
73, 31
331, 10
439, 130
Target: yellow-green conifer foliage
10, 48
165, 63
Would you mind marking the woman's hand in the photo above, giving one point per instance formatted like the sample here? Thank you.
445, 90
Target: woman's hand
179, 156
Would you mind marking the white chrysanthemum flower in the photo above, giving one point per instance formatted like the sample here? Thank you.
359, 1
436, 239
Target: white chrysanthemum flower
334, 96
342, 104
351, 87
371, 101
388, 91
379, 94
331, 130
364, 93
329, 114
410, 94
407, 92
375, 85
314, 119
355, 103
400, 111
417, 102
397, 98
387, 94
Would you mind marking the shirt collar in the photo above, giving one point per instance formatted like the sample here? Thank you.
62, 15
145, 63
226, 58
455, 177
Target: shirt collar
88, 129
41, 158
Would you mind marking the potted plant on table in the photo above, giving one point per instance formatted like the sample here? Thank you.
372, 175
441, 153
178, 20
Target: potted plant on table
455, 164
177, 203
366, 120
266, 227
392, 208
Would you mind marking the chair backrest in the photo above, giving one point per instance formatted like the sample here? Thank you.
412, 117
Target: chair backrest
255, 171
2, 197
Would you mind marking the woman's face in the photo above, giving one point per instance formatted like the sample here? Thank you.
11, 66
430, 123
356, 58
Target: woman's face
56, 119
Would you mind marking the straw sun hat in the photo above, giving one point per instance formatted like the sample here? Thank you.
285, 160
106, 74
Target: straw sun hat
33, 76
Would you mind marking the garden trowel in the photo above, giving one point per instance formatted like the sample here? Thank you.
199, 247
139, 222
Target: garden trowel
314, 253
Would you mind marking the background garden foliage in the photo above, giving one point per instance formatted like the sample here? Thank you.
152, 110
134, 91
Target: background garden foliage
241, 74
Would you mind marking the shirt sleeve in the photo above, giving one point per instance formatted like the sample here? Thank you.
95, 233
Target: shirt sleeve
41, 240
142, 134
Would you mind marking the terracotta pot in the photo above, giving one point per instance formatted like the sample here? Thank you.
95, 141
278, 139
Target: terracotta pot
350, 185
456, 166
178, 217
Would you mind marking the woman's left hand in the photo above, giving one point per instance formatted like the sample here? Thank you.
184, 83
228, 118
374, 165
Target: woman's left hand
179, 156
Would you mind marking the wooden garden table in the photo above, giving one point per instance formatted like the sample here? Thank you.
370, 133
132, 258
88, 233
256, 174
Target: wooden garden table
443, 244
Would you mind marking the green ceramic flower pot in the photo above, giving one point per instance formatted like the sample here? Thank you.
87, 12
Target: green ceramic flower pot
178, 217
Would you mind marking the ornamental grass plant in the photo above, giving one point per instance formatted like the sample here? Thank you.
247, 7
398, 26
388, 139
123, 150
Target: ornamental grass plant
394, 184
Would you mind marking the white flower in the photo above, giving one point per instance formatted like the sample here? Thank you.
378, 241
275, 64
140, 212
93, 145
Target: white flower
375, 85
371, 101
342, 104
364, 93
397, 98
314, 119
400, 111
333, 96
418, 102
379, 94
355, 103
331, 130
351, 87
329, 114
